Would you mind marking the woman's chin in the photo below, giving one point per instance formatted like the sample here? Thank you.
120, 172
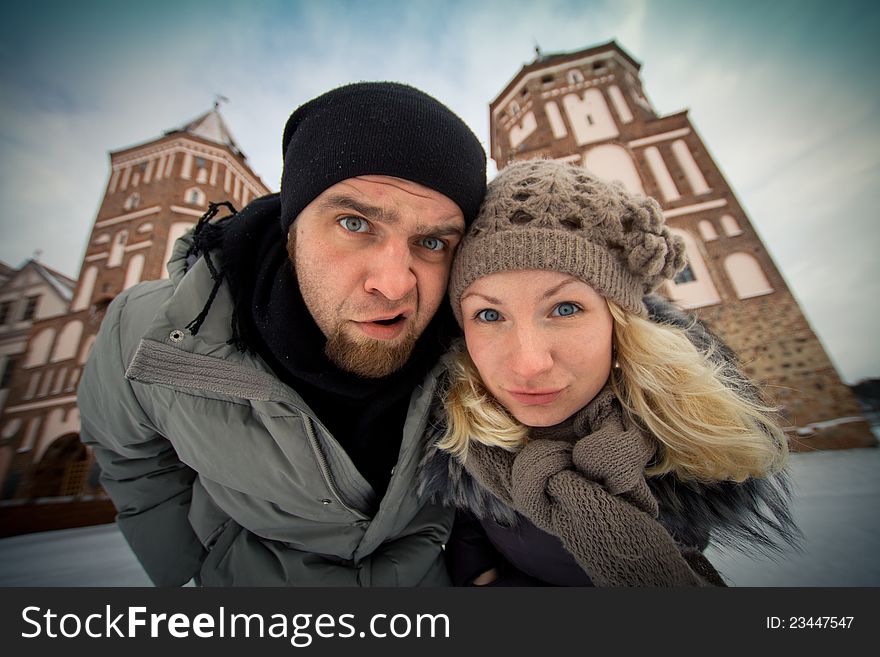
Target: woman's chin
532, 416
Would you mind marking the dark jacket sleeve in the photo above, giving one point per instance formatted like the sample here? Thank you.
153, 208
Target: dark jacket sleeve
140, 470
470, 553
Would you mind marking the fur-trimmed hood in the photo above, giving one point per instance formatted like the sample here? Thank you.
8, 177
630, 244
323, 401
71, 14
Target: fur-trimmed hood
743, 516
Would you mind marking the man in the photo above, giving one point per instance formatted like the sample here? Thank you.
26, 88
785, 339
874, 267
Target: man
258, 417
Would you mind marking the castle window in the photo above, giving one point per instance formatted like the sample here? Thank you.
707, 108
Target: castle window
195, 196
5, 309
707, 231
730, 226
514, 108
599, 66
7, 372
686, 275
202, 171
547, 79
747, 276
30, 308
38, 352
132, 201
574, 76
68, 341
693, 287
86, 287
117, 250
614, 163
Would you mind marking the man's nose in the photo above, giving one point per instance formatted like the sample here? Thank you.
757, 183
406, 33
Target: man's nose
390, 272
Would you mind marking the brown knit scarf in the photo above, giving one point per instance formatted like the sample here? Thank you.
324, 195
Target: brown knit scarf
584, 482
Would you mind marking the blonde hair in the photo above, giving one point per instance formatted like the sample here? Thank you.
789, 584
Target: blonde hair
708, 419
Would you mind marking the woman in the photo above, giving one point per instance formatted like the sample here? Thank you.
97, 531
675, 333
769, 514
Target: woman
592, 434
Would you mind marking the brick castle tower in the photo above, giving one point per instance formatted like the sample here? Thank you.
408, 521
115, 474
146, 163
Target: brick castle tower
588, 107
156, 192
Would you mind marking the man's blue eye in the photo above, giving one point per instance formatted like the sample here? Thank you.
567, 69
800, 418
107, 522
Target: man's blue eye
354, 224
433, 243
565, 309
488, 315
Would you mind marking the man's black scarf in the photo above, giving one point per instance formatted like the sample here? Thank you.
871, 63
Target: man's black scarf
271, 319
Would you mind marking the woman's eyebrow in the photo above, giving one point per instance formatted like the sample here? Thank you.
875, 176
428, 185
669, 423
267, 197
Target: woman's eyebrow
484, 296
553, 290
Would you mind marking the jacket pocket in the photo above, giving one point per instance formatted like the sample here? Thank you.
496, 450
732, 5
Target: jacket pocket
207, 519
213, 573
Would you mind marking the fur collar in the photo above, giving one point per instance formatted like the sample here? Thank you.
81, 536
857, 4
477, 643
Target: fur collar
740, 516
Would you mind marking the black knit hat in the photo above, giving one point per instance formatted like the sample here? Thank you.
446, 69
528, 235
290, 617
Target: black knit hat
379, 128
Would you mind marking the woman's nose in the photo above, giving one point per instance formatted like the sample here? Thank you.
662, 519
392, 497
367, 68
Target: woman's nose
531, 355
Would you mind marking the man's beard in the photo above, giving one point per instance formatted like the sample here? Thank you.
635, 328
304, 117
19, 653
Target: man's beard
366, 357
371, 359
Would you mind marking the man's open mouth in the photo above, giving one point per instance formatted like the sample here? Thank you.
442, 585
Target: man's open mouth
391, 321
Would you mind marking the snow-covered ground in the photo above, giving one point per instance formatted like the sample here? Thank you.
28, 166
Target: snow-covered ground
836, 504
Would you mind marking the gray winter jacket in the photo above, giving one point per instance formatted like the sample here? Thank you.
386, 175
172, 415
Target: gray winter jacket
220, 472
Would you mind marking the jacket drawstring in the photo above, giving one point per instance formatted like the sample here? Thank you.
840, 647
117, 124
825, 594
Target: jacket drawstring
201, 246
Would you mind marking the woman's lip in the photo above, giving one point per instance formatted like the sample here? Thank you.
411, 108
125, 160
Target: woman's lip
535, 398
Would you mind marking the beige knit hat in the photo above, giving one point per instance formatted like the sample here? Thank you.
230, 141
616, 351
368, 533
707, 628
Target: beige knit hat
544, 214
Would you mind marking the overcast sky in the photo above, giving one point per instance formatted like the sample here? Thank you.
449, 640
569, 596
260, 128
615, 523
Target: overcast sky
784, 94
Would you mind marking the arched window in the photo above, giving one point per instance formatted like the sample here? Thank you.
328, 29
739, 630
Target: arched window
614, 164
661, 174
86, 349
690, 167
62, 468
746, 275
86, 287
201, 170
117, 251
514, 109
68, 341
693, 288
194, 196
730, 226
589, 117
574, 76
11, 428
707, 231
175, 231
41, 345
133, 201
134, 271
686, 275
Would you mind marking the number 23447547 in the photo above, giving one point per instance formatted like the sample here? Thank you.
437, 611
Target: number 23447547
809, 622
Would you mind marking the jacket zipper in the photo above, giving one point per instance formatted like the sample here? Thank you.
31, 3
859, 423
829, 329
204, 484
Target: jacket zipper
325, 469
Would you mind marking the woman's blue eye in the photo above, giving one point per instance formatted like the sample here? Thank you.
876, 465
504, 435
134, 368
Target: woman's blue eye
488, 315
565, 309
354, 224
433, 243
